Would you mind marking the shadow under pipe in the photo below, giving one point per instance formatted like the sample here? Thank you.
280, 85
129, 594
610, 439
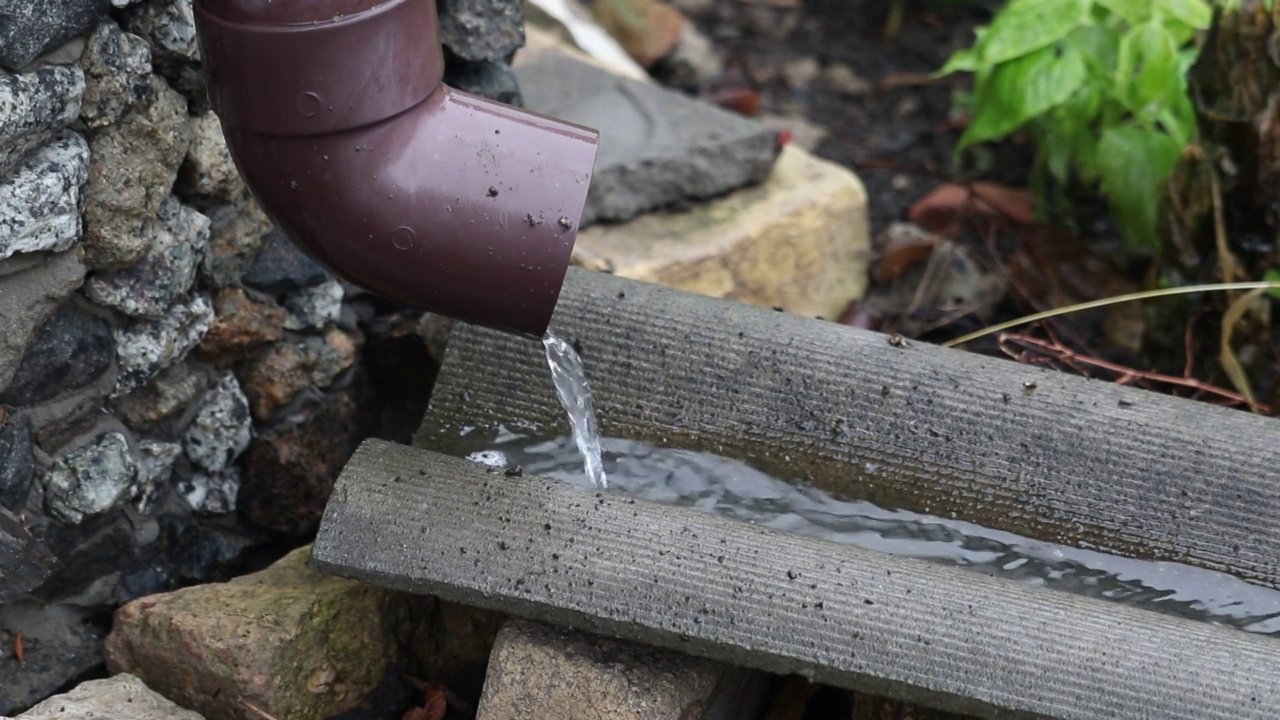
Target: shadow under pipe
337, 118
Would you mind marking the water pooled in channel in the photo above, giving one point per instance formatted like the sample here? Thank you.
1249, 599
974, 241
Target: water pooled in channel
575, 396
729, 488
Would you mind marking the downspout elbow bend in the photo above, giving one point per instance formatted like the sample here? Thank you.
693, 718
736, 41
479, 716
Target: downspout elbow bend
338, 120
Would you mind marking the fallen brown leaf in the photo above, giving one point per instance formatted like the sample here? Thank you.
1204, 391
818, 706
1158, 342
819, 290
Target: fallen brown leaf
434, 708
857, 315
1227, 355
953, 202
905, 246
743, 101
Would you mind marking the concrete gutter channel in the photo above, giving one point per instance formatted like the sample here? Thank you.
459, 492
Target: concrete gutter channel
957, 435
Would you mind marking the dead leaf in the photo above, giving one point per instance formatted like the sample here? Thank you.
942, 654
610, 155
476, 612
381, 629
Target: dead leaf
18, 650
857, 315
951, 283
743, 101
1227, 261
434, 708
954, 202
1227, 355
904, 246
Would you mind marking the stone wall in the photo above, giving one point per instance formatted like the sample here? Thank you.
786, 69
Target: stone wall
178, 384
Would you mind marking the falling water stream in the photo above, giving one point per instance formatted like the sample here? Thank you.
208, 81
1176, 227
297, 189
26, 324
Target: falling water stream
575, 395
718, 485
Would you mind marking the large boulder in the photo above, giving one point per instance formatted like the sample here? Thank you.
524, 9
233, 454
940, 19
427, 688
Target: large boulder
123, 697
539, 671
287, 640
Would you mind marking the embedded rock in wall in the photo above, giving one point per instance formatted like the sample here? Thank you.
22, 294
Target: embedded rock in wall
211, 493
31, 29
165, 273
291, 466
236, 234
34, 106
156, 459
41, 201
144, 348
197, 393
71, 350
221, 429
170, 26
277, 376
28, 298
133, 168
480, 37
280, 267
91, 554
209, 171
91, 480
494, 80
241, 325
25, 561
58, 424
117, 70
165, 396
481, 29
17, 461
314, 308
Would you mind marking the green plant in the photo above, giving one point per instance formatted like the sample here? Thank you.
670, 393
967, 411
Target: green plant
1100, 86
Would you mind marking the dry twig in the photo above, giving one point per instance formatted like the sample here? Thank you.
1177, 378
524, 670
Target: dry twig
1033, 350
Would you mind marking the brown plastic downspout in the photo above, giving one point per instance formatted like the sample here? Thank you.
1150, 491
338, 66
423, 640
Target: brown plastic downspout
337, 118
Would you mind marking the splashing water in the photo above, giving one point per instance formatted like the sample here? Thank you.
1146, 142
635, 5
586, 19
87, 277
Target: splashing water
575, 395
725, 487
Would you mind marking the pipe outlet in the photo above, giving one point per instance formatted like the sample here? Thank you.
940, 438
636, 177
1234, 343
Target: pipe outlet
338, 120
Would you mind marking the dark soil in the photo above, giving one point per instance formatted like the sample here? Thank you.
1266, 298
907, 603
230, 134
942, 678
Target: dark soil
898, 134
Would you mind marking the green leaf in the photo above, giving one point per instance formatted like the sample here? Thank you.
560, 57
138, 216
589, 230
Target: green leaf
963, 61
1020, 90
1134, 163
1078, 117
1179, 118
1133, 11
1147, 70
1196, 14
1099, 45
1273, 275
1025, 26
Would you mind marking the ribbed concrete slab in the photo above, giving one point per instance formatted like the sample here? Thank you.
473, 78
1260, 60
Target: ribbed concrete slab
1022, 449
417, 521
